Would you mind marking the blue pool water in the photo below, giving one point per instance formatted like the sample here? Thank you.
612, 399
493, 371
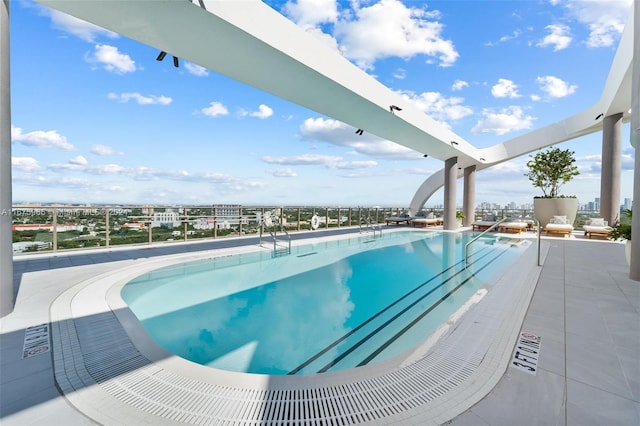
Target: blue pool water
326, 307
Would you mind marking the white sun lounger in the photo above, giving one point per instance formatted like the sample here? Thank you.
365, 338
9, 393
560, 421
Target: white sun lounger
597, 227
558, 229
424, 222
397, 220
513, 227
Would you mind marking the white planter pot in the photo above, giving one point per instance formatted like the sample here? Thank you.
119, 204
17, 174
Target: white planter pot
546, 208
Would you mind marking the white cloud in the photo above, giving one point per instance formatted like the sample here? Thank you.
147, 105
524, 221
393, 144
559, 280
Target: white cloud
340, 134
79, 166
282, 172
263, 112
459, 85
140, 99
358, 164
304, 160
439, 107
400, 74
505, 89
593, 163
555, 87
504, 121
559, 37
41, 139
604, 18
324, 38
215, 109
77, 27
382, 148
515, 168
311, 13
58, 167
79, 160
515, 34
103, 150
106, 169
196, 70
628, 158
219, 181
388, 28
224, 182
328, 161
26, 164
112, 60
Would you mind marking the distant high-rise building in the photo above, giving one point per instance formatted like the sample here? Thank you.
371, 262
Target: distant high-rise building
232, 210
167, 218
627, 204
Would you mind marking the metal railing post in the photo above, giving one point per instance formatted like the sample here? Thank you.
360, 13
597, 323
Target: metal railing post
185, 223
106, 227
326, 217
215, 222
54, 222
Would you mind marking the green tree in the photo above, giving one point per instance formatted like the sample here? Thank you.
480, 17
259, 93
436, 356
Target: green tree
550, 169
622, 229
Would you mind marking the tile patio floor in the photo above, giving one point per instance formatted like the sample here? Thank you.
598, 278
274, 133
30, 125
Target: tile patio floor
585, 309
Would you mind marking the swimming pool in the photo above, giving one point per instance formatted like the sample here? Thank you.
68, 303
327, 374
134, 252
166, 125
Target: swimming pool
328, 306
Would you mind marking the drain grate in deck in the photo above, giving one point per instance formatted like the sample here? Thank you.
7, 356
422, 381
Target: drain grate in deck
110, 359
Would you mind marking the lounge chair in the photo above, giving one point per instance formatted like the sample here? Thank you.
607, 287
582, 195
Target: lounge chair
397, 220
597, 227
421, 220
558, 225
513, 227
484, 224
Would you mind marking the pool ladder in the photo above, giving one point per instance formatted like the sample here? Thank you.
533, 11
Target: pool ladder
278, 250
368, 226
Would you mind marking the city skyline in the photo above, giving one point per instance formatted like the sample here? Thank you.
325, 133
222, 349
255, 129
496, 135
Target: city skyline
593, 205
114, 126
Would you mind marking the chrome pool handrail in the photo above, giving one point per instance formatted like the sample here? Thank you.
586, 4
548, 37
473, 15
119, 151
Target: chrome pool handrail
368, 224
466, 246
274, 235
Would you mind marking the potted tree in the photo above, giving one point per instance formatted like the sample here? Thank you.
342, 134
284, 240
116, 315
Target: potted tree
622, 231
549, 170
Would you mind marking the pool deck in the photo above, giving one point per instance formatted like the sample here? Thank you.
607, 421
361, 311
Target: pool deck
584, 308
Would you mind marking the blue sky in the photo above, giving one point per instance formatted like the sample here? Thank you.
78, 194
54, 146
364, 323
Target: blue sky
96, 119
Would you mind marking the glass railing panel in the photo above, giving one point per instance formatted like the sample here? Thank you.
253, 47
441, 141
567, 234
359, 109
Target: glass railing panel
62, 228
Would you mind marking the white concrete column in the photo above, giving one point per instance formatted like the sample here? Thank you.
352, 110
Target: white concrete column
469, 195
450, 177
634, 270
611, 168
6, 251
